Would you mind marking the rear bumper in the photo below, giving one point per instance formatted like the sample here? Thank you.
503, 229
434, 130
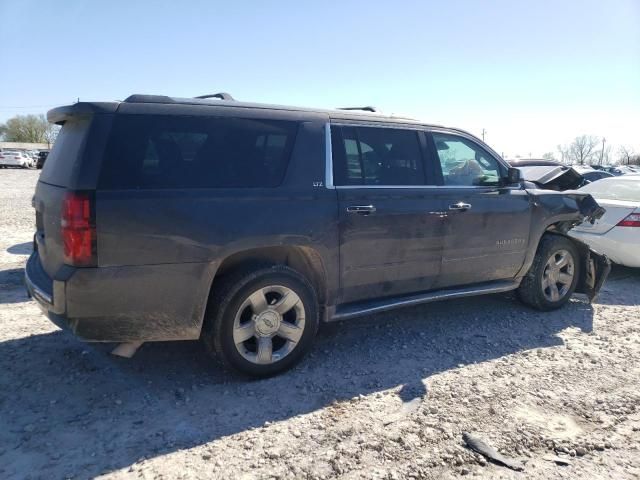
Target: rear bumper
48, 294
123, 304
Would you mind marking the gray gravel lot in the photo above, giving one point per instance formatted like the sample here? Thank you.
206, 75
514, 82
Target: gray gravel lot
384, 397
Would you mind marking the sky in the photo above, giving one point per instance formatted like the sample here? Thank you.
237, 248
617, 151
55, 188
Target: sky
531, 74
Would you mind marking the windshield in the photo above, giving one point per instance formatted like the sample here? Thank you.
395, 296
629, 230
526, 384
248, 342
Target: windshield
615, 189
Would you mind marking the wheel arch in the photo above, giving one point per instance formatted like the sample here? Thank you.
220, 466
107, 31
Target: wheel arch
593, 267
303, 259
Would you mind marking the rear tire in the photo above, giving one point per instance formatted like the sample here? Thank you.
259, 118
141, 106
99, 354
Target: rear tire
261, 321
553, 276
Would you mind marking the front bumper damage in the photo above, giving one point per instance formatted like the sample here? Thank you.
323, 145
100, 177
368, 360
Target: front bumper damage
565, 210
596, 269
595, 266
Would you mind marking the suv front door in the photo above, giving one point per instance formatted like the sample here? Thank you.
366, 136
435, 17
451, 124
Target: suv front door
390, 225
487, 222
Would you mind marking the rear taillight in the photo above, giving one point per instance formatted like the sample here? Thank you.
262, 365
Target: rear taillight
632, 220
78, 229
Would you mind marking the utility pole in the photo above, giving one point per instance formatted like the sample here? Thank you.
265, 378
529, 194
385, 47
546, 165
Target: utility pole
483, 132
602, 152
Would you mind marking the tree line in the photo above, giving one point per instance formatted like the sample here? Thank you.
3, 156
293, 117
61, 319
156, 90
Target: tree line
28, 129
592, 150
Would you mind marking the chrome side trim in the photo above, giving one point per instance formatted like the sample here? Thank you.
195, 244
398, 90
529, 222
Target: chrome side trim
328, 180
392, 303
429, 187
379, 124
419, 127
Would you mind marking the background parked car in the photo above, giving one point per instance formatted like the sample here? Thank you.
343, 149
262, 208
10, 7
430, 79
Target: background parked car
596, 175
14, 158
591, 174
33, 154
623, 170
617, 233
533, 162
42, 157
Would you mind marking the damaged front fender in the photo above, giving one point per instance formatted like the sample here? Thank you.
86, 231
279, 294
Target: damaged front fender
589, 208
558, 212
595, 270
564, 210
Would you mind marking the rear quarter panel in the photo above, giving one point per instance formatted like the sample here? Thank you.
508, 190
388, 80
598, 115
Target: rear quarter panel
161, 248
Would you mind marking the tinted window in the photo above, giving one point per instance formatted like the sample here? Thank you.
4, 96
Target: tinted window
465, 163
65, 156
376, 156
196, 152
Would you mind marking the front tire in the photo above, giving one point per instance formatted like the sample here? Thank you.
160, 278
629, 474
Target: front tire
261, 322
553, 276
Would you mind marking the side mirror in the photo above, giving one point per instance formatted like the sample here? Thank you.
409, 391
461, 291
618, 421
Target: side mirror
513, 176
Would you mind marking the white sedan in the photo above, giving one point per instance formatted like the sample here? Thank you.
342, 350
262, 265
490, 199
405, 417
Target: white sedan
617, 233
15, 158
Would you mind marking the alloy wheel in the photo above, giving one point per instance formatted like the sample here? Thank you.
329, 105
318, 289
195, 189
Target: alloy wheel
557, 276
269, 324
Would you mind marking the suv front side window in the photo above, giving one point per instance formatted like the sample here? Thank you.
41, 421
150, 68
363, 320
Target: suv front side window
464, 163
376, 156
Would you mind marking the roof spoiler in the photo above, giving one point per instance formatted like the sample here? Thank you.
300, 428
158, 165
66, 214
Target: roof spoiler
59, 115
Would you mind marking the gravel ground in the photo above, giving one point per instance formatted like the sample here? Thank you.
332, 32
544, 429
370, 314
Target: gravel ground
384, 397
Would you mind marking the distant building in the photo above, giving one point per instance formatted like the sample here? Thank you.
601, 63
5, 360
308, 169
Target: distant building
24, 146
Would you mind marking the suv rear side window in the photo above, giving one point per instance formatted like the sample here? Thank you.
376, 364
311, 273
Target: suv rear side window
376, 156
148, 151
464, 163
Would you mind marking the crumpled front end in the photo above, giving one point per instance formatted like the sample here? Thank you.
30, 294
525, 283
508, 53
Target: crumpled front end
565, 210
595, 270
595, 267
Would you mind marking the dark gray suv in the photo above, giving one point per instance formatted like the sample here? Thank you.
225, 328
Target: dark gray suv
247, 225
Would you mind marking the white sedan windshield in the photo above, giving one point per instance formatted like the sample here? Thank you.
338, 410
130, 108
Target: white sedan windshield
615, 189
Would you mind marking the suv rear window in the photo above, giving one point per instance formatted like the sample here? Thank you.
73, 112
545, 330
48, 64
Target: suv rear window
66, 153
147, 151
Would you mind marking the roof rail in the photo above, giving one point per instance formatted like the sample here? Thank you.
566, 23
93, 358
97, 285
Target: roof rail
221, 96
366, 109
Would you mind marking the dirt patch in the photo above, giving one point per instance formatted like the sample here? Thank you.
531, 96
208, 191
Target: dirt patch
558, 427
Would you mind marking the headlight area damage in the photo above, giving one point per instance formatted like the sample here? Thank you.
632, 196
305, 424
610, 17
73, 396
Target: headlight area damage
566, 210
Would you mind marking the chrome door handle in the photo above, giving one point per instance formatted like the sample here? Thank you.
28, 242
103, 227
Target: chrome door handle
361, 209
460, 206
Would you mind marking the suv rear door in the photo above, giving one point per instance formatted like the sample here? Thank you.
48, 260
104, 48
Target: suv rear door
487, 222
55, 180
390, 225
72, 165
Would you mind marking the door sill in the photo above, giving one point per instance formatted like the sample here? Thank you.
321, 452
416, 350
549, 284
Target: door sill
358, 309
